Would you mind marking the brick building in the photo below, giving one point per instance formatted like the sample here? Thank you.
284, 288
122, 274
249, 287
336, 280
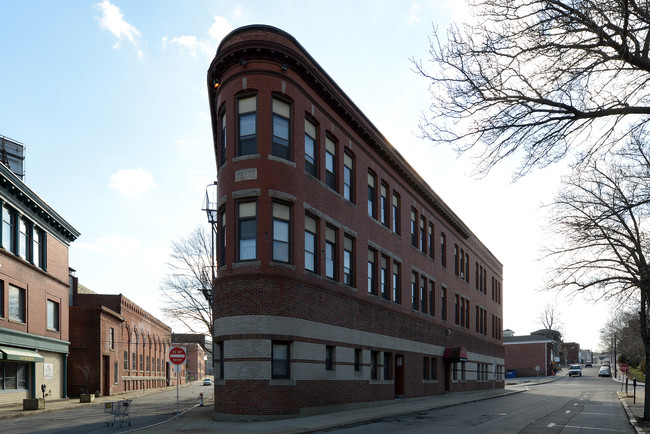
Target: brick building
343, 277
525, 353
194, 345
34, 333
115, 345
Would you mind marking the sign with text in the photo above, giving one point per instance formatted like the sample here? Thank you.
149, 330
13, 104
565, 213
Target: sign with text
177, 355
624, 368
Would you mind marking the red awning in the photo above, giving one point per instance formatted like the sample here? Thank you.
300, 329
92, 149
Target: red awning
455, 354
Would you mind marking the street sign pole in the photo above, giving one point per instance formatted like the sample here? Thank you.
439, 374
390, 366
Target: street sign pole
178, 356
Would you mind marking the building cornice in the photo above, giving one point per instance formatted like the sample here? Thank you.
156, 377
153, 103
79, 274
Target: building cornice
35, 208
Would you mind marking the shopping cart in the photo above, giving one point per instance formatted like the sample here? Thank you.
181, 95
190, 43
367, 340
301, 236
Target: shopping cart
119, 410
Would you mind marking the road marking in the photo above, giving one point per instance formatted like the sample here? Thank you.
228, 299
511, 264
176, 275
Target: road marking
567, 412
553, 425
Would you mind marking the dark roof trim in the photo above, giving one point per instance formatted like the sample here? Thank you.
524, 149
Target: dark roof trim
32, 206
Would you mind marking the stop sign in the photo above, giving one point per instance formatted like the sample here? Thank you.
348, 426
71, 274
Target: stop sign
624, 368
177, 355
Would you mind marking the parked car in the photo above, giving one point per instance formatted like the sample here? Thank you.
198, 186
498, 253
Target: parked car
606, 363
575, 370
207, 382
588, 365
604, 371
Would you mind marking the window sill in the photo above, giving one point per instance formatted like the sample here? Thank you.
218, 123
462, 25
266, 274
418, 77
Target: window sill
246, 157
282, 160
282, 382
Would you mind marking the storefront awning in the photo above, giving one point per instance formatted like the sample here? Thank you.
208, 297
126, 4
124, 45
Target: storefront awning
20, 355
455, 354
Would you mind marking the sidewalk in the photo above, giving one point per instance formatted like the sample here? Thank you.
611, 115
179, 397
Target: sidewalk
198, 419
634, 405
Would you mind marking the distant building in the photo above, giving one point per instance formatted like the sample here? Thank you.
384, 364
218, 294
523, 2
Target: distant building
116, 346
194, 344
343, 277
569, 353
34, 271
524, 354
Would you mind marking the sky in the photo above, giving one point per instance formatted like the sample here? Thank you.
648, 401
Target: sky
110, 100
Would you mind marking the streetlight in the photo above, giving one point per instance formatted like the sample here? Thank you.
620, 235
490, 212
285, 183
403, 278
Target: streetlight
210, 208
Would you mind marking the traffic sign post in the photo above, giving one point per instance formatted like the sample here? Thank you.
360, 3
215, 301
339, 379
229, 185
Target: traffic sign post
178, 356
624, 370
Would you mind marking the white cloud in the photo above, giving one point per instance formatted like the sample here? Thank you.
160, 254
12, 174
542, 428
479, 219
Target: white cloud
415, 13
206, 47
132, 182
112, 19
238, 12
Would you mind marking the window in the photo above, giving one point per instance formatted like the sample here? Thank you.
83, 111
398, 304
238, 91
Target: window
134, 362
23, 238
481, 320
222, 139
432, 298
383, 278
247, 112
38, 248
414, 229
247, 231
397, 297
388, 357
462, 311
434, 368
16, 304
126, 360
221, 261
396, 213
116, 366
330, 253
431, 244
414, 291
357, 360
310, 244
456, 261
372, 272
13, 376
148, 364
443, 303
281, 127
423, 294
426, 363
311, 149
383, 205
7, 228
466, 267
372, 206
374, 361
52, 315
111, 338
142, 362
348, 177
280, 360
281, 231
423, 235
348, 264
330, 164
443, 249
2, 299
329, 358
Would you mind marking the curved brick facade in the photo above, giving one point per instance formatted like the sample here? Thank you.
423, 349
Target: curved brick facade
316, 262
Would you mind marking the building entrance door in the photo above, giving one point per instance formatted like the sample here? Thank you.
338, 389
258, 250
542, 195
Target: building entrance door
106, 377
399, 376
447, 377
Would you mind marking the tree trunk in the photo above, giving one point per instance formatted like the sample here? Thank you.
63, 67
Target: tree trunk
645, 335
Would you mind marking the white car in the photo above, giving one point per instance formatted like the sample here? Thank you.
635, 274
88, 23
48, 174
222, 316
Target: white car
207, 382
575, 370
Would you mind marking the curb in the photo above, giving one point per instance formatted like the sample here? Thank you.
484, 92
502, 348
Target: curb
630, 415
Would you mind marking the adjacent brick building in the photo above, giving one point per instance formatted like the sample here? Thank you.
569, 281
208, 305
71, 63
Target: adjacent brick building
34, 333
116, 346
525, 353
343, 277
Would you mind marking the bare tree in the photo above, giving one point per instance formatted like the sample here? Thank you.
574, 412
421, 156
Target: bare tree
624, 328
540, 77
188, 282
549, 318
603, 218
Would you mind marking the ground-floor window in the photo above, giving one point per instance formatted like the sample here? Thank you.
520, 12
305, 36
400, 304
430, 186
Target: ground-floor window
280, 360
13, 376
